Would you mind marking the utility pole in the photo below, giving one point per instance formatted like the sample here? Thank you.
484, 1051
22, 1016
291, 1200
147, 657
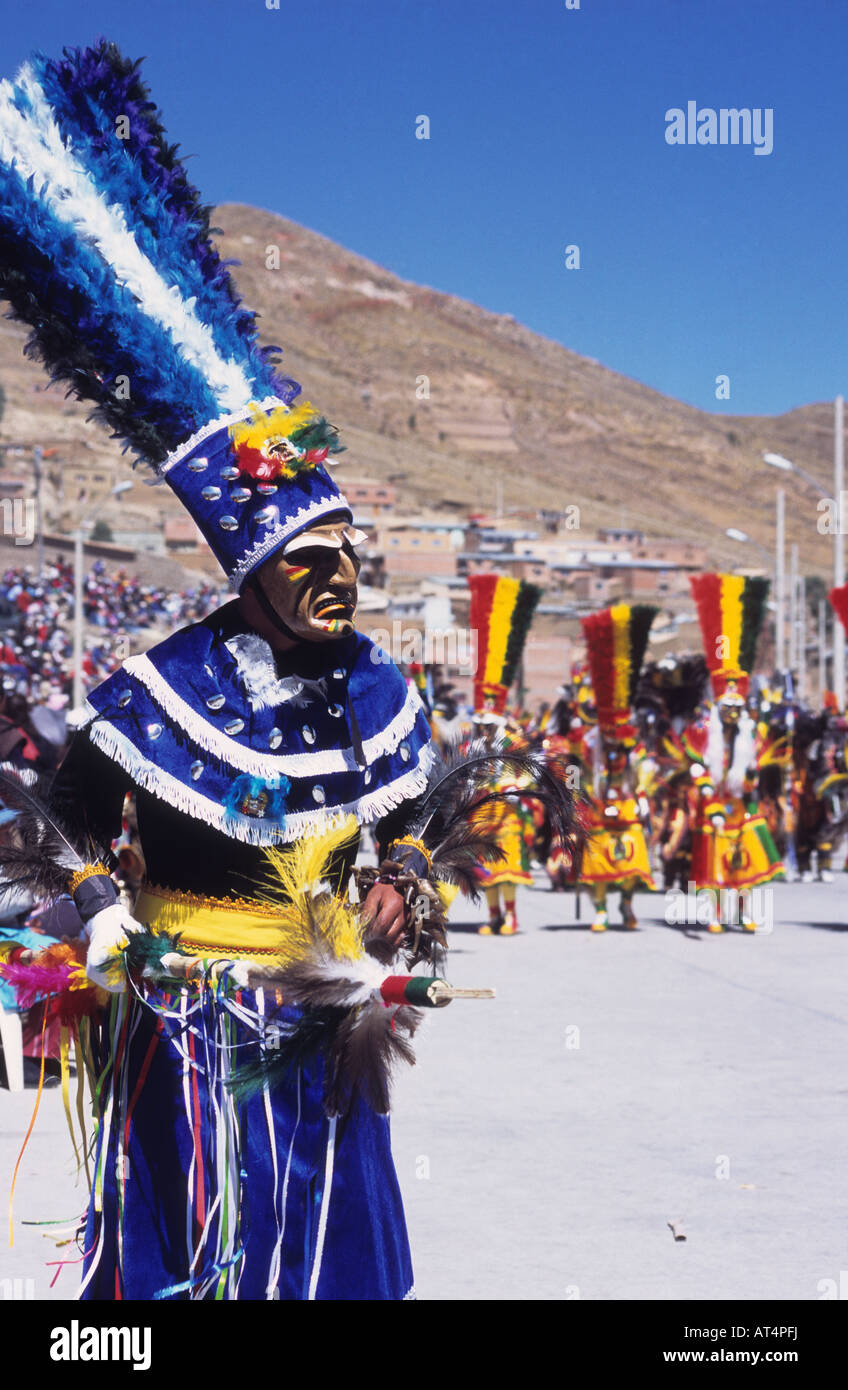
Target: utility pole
794, 610
801, 644
78, 621
37, 456
838, 548
780, 578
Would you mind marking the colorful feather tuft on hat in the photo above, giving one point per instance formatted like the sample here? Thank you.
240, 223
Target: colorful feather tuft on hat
501, 613
616, 639
731, 609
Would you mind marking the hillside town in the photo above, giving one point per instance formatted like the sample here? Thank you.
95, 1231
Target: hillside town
416, 565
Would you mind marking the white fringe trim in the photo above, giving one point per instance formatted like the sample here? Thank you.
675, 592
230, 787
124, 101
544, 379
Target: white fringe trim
370, 807
324, 506
260, 764
222, 422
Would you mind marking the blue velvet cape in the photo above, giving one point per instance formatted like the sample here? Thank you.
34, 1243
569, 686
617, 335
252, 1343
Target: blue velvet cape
204, 722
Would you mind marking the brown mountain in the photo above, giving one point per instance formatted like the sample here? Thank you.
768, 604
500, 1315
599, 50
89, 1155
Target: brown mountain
505, 406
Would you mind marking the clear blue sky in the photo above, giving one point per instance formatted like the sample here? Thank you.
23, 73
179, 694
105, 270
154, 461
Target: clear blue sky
547, 128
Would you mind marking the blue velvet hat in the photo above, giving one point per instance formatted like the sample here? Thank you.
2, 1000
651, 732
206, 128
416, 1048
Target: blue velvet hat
250, 498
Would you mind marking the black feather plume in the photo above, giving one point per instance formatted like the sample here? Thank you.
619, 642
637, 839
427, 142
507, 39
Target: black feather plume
451, 820
364, 1053
38, 850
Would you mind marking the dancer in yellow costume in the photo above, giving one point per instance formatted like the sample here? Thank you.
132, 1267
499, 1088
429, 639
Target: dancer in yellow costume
500, 615
615, 854
732, 847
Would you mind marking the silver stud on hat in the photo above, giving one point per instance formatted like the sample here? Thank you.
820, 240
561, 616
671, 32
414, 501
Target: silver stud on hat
196, 771
154, 731
211, 494
228, 523
215, 701
198, 465
234, 726
240, 495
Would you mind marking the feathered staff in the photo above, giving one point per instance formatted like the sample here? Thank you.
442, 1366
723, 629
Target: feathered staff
355, 1011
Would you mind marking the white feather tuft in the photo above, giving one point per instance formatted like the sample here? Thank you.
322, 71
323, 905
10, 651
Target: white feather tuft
715, 747
744, 755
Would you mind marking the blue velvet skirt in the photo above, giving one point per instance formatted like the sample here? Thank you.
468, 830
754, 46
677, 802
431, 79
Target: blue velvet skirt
198, 1194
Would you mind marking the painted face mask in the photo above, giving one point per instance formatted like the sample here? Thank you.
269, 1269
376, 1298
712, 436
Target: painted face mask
311, 584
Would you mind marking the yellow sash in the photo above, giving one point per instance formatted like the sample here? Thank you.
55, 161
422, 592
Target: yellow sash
219, 926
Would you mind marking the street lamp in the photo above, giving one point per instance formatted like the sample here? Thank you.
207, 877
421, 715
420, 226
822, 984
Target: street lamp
735, 534
787, 466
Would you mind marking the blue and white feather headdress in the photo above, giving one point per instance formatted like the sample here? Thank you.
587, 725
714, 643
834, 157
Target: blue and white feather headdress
105, 252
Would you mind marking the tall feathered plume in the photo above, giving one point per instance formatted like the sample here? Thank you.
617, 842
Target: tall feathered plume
731, 609
500, 615
616, 639
105, 251
37, 849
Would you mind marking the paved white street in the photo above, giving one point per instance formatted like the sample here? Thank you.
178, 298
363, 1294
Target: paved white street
619, 1082
625, 1080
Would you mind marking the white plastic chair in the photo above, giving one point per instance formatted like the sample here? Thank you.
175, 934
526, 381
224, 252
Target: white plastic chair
12, 1039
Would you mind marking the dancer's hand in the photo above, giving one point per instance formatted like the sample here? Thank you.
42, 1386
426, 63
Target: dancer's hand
108, 933
384, 913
